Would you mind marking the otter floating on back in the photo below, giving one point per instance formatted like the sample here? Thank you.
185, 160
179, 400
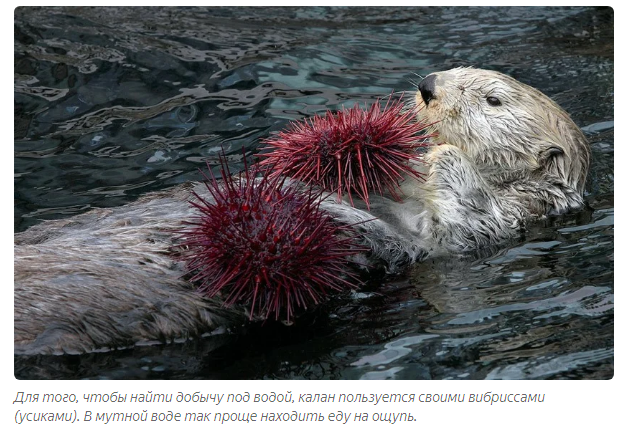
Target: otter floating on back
506, 154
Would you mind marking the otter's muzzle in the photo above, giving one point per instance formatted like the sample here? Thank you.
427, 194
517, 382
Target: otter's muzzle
427, 88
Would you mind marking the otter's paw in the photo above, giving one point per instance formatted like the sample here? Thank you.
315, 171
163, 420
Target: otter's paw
440, 153
450, 168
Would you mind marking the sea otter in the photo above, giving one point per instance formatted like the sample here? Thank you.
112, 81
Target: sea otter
503, 154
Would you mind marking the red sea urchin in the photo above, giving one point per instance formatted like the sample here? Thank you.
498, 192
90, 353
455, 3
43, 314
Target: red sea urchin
267, 244
354, 150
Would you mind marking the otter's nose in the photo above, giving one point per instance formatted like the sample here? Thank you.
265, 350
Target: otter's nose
427, 88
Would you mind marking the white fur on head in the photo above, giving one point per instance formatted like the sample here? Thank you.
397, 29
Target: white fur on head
525, 132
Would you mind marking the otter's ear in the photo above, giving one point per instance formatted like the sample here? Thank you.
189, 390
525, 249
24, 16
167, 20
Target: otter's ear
550, 154
552, 161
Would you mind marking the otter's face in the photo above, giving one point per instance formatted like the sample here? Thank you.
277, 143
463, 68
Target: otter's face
502, 123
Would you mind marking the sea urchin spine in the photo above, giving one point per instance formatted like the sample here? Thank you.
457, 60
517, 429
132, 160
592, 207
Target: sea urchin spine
267, 244
354, 150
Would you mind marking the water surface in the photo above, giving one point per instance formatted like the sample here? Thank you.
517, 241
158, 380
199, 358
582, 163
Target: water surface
111, 103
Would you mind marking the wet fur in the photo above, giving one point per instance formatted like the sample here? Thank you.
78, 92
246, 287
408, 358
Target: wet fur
108, 278
491, 170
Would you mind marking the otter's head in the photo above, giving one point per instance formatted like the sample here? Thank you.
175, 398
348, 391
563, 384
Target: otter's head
503, 124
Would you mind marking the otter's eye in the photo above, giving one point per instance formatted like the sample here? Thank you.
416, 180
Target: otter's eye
494, 101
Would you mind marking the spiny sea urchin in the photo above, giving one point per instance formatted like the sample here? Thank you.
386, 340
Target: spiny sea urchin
266, 243
354, 150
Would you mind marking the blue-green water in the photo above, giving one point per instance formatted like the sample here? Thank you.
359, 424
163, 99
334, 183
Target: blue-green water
111, 103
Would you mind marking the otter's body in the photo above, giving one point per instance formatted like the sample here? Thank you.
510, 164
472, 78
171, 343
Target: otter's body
504, 154
106, 279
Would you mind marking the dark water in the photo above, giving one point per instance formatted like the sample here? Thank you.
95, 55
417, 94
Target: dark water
112, 103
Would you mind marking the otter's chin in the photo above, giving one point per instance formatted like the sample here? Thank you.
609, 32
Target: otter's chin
431, 116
